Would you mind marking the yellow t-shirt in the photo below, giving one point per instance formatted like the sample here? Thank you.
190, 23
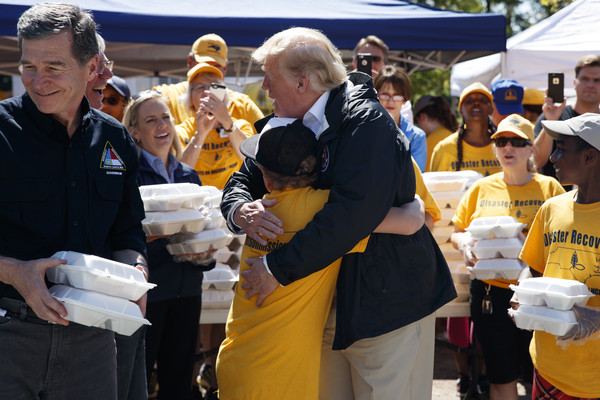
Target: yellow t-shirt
273, 351
241, 106
492, 197
564, 242
217, 160
480, 159
440, 133
431, 207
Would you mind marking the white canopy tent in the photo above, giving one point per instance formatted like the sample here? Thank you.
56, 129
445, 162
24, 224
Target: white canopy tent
553, 45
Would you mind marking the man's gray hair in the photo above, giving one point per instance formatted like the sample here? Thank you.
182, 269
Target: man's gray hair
307, 52
46, 19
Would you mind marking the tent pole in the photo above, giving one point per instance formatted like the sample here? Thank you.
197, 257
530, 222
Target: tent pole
503, 64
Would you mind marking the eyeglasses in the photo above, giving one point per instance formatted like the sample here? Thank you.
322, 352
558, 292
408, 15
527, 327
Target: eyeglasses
514, 141
386, 97
105, 65
112, 101
199, 87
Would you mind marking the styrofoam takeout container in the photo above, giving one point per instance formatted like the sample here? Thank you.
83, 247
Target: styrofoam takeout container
172, 196
497, 268
448, 199
214, 219
221, 277
560, 294
494, 248
495, 227
171, 222
445, 181
555, 322
216, 299
212, 196
99, 274
200, 242
99, 310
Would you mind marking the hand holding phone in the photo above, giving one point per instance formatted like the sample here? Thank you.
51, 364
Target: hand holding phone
556, 86
218, 90
364, 63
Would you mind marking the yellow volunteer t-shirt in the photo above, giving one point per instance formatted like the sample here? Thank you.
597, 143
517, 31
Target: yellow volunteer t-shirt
564, 242
480, 159
241, 106
492, 197
217, 160
273, 351
440, 133
431, 207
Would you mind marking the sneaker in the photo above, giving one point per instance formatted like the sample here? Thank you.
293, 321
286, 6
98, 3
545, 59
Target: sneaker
206, 378
483, 385
463, 383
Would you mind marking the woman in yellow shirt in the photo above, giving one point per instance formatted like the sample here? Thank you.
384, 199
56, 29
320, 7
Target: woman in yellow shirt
471, 146
517, 191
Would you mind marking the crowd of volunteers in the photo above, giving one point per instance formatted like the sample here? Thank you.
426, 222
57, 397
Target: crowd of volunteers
340, 276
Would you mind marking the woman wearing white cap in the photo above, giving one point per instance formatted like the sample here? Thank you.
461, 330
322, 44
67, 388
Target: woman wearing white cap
212, 137
518, 191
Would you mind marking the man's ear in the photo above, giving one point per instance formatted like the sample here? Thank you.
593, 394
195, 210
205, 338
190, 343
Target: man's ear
591, 156
92, 67
303, 84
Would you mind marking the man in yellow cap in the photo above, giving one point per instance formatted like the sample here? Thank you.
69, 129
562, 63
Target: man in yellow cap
211, 49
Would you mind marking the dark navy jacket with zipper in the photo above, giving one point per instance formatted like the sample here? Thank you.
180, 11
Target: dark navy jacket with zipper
173, 279
366, 164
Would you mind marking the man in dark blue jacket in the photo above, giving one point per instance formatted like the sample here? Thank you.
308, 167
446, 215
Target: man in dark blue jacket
387, 295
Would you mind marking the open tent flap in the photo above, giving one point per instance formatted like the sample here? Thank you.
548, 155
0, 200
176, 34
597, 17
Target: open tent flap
553, 45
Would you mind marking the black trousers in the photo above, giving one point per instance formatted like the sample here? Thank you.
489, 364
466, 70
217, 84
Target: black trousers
171, 342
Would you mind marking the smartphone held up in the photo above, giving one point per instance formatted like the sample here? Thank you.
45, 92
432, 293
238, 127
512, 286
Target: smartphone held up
364, 63
556, 86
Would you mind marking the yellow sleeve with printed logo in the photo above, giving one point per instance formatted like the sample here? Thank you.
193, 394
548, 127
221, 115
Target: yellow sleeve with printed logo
564, 242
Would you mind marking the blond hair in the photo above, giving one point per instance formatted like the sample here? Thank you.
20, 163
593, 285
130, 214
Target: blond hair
307, 52
132, 113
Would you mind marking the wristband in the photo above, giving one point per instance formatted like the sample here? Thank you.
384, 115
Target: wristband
230, 129
144, 265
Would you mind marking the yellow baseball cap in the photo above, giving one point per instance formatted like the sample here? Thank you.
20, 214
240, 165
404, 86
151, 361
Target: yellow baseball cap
476, 87
210, 47
516, 124
203, 67
533, 97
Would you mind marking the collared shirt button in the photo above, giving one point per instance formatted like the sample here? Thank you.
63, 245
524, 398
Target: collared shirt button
75, 223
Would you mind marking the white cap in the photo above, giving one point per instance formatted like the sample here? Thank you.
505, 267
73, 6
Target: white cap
586, 126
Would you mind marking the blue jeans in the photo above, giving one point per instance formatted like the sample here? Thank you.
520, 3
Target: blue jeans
55, 362
131, 366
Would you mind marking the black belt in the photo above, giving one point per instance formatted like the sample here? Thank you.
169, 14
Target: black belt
19, 309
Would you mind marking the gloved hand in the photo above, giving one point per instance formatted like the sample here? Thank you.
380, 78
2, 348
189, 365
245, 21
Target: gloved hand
465, 242
588, 323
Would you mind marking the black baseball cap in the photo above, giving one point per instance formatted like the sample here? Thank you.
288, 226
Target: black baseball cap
282, 149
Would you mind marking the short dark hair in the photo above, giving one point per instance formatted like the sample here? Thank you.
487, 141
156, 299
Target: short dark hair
308, 178
397, 77
46, 19
587, 61
373, 41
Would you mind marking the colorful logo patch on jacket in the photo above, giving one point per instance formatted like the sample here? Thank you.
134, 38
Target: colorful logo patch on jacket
110, 159
325, 159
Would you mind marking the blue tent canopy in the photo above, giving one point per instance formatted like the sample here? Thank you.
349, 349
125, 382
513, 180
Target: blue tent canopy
413, 32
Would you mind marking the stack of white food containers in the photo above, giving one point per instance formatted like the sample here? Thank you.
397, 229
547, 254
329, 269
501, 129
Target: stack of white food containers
546, 304
447, 188
202, 228
99, 291
497, 248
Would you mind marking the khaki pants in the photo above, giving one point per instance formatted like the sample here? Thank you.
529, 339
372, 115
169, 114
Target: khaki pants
395, 365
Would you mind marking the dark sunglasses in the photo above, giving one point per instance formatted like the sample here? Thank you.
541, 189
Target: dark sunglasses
514, 141
113, 101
